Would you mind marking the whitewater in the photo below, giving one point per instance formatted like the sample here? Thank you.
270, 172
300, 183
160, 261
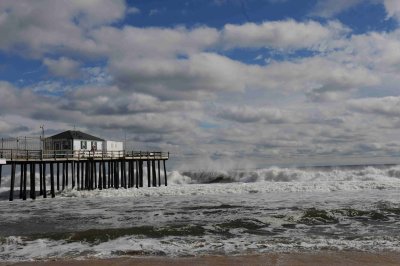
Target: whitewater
234, 212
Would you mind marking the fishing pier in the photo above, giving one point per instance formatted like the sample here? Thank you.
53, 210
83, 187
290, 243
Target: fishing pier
59, 165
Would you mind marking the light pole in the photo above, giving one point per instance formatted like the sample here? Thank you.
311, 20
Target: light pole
42, 127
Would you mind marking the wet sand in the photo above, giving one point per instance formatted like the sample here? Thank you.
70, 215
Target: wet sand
317, 258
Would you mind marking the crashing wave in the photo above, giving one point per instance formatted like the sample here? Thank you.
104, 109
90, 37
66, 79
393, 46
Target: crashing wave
276, 174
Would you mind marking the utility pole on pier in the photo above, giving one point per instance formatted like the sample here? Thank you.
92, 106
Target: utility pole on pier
42, 137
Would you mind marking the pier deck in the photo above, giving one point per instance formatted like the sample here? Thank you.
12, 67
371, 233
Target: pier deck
83, 170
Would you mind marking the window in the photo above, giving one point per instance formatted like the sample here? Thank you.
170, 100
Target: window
57, 146
66, 145
94, 145
83, 145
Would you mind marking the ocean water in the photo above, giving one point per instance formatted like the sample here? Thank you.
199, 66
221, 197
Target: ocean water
199, 213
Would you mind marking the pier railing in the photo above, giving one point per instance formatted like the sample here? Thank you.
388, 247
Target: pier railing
18, 154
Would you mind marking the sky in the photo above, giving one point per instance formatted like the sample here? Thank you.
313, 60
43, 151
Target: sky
233, 83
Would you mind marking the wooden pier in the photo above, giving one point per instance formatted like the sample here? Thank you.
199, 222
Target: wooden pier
82, 170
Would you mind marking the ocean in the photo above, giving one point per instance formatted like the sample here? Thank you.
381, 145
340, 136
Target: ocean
234, 212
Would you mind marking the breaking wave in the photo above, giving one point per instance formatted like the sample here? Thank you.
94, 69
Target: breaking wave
276, 174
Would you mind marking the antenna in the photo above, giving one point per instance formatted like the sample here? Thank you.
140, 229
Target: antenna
42, 127
125, 140
42, 137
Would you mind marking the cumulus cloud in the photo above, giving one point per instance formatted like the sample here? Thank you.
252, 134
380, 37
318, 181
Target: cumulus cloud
318, 73
246, 114
8, 127
113, 101
35, 30
145, 42
288, 34
199, 76
377, 50
62, 67
392, 8
385, 106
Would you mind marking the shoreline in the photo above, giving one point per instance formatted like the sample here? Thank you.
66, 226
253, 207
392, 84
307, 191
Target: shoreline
293, 258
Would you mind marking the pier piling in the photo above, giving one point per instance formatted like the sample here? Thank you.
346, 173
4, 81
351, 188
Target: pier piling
66, 174
148, 173
58, 176
24, 189
165, 174
12, 182
73, 173
40, 180
33, 179
63, 175
21, 180
103, 166
78, 172
137, 174
44, 181
141, 173
153, 164
159, 173
53, 194
108, 174
95, 173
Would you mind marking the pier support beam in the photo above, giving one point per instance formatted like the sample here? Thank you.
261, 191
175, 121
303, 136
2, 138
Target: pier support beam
153, 163
112, 164
44, 181
21, 180
82, 175
108, 174
53, 194
24, 188
165, 174
58, 176
129, 174
141, 173
116, 177
12, 182
159, 173
40, 179
148, 173
78, 172
66, 174
87, 175
100, 177
91, 182
33, 178
103, 165
63, 175
123, 167
73, 173
95, 174
137, 174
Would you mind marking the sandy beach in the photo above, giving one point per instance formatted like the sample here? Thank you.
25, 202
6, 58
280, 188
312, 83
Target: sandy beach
317, 258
